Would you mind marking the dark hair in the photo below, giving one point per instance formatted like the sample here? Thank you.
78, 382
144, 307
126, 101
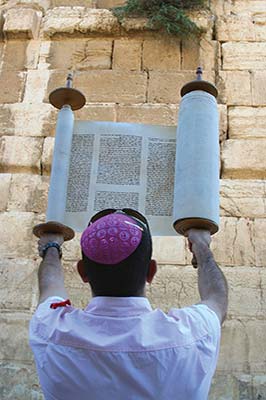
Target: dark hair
126, 278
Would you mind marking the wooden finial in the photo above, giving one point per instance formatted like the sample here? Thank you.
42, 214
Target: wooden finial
67, 96
199, 84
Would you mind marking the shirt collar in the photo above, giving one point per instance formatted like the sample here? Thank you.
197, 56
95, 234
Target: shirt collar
118, 306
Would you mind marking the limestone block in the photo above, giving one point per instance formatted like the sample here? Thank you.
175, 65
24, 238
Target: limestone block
245, 283
243, 198
244, 159
18, 278
22, 23
67, 20
32, 119
161, 54
204, 20
224, 387
258, 84
163, 114
228, 28
234, 87
15, 326
72, 3
173, 287
19, 55
169, 249
255, 331
109, 3
107, 86
247, 122
19, 381
96, 112
80, 54
100, 21
6, 120
16, 235
244, 56
47, 155
36, 86
233, 244
260, 242
132, 49
28, 193
5, 180
234, 351
20, 154
11, 86
164, 87
259, 386
204, 53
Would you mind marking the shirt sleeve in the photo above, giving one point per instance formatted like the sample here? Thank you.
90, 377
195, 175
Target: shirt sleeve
205, 328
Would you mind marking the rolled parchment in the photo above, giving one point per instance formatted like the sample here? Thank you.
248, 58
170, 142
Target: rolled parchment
196, 197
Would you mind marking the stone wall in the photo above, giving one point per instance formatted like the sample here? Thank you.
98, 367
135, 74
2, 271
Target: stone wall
130, 73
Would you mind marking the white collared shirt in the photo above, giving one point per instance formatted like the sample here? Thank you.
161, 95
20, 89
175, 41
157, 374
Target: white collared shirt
119, 348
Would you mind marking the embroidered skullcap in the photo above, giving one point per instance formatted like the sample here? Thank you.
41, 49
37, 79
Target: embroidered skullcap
111, 239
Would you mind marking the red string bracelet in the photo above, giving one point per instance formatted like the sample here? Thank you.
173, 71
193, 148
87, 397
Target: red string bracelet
60, 304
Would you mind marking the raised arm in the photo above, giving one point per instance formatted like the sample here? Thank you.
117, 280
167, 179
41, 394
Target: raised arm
51, 277
212, 283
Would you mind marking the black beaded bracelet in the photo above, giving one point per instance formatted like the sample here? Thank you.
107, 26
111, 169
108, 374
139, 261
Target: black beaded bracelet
48, 246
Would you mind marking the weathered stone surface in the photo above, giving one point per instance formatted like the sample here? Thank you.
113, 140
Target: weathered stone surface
234, 243
244, 159
223, 125
164, 87
107, 86
163, 114
260, 242
36, 86
11, 86
133, 51
28, 193
243, 198
16, 235
78, 291
204, 53
109, 3
169, 249
97, 112
72, 3
228, 28
5, 180
33, 119
234, 87
20, 154
19, 55
47, 155
6, 120
18, 280
17, 348
135, 24
69, 20
244, 56
80, 54
247, 122
258, 84
19, 381
22, 23
161, 54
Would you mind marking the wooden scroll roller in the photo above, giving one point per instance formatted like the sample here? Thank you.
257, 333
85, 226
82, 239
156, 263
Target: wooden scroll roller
65, 99
196, 199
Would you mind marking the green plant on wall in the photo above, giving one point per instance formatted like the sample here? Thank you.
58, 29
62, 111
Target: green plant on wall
170, 16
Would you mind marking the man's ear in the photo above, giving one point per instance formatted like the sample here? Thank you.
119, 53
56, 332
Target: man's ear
152, 271
81, 271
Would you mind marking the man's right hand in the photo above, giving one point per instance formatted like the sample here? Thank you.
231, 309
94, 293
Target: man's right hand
199, 237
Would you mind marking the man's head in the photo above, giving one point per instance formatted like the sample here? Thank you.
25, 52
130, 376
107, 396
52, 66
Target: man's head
116, 254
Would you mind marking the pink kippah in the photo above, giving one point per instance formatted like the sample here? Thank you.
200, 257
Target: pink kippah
111, 239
